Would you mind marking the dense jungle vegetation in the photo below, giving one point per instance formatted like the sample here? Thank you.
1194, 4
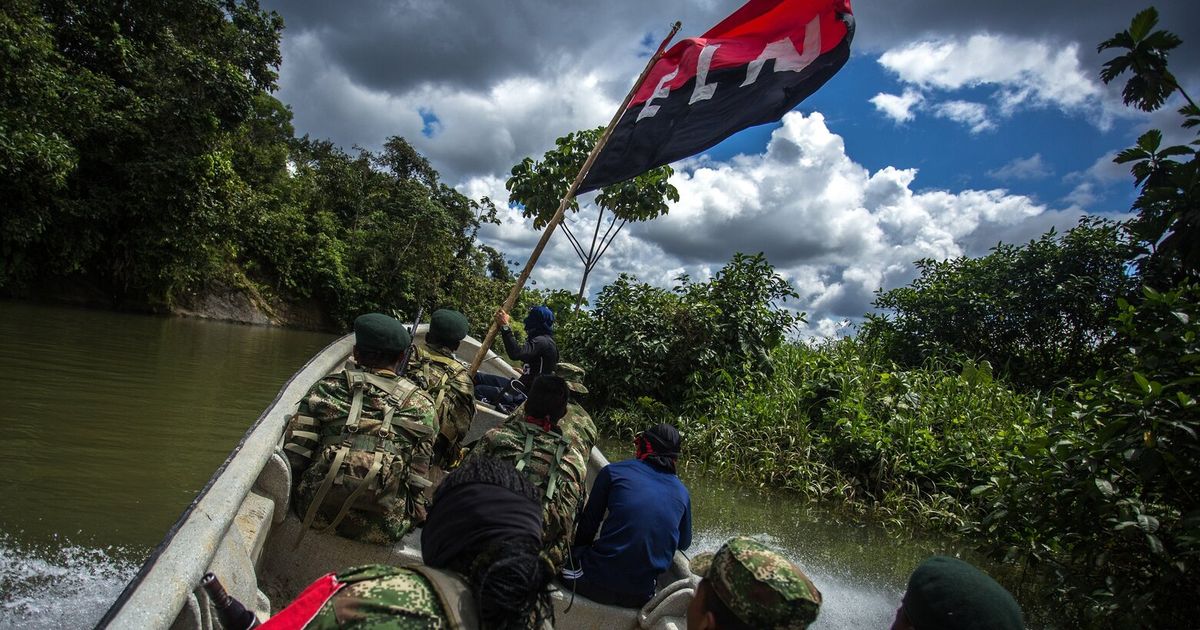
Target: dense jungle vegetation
1040, 400
144, 161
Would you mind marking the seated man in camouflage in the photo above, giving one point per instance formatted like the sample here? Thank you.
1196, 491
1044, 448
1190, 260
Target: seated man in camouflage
748, 586
361, 441
445, 379
483, 565
556, 464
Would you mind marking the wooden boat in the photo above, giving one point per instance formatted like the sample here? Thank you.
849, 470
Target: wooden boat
241, 528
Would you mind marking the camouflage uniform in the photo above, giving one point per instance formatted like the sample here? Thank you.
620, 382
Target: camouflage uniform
535, 452
317, 432
446, 380
385, 598
577, 424
761, 587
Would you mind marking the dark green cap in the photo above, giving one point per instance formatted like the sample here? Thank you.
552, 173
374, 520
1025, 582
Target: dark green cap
948, 594
761, 587
376, 331
447, 327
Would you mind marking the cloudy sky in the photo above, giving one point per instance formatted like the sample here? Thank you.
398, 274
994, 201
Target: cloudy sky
955, 125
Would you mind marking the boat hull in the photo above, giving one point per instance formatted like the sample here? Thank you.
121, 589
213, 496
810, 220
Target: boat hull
240, 527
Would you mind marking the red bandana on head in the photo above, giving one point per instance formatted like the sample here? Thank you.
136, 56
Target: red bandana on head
644, 448
541, 422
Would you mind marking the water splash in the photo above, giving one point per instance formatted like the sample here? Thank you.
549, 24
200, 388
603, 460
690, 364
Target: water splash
60, 585
852, 599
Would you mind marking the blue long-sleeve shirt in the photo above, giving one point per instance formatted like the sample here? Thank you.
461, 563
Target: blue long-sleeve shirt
649, 518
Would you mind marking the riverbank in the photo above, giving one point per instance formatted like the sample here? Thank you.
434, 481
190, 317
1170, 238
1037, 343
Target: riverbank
241, 303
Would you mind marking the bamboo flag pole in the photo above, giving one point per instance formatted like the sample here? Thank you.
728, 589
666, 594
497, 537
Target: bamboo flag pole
515, 293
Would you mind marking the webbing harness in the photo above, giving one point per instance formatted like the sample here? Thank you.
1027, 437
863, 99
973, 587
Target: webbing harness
382, 442
555, 469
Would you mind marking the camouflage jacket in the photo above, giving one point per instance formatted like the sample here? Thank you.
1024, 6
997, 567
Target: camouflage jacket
446, 380
318, 432
554, 462
577, 426
383, 597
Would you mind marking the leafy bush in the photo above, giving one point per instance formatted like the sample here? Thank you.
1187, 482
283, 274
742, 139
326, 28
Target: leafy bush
1110, 498
839, 423
1039, 312
685, 343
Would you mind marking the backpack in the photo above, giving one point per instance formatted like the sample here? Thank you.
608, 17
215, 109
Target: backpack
543, 457
367, 465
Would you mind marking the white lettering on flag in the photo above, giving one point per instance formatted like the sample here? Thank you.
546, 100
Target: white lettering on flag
704, 91
785, 54
660, 91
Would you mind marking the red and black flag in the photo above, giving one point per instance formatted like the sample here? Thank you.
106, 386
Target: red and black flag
750, 69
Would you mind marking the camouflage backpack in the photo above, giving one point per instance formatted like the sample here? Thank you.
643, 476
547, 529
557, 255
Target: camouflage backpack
554, 463
365, 464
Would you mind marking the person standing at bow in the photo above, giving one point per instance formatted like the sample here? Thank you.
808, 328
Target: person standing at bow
539, 354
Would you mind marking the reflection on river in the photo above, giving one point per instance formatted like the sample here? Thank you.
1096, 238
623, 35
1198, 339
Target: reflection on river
113, 423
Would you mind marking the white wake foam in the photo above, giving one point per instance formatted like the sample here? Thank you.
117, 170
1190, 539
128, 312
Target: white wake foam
60, 585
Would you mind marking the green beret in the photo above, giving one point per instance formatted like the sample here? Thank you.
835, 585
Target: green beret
447, 327
573, 375
376, 331
948, 594
761, 587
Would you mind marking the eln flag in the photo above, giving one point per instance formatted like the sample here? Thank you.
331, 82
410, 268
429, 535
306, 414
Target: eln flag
750, 69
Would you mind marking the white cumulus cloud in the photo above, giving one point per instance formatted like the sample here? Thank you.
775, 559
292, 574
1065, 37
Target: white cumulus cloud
973, 115
1020, 73
834, 229
1032, 167
898, 108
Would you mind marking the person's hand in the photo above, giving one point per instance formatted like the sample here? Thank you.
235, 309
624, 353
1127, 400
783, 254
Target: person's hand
502, 318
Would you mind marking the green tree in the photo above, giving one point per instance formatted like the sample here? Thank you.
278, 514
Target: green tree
1168, 204
539, 188
150, 189
1040, 311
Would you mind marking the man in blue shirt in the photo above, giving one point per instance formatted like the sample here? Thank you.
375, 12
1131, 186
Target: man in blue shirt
649, 518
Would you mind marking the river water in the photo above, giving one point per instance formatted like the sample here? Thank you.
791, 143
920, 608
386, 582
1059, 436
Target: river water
113, 422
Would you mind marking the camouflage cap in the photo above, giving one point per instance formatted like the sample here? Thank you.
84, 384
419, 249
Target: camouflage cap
447, 326
761, 587
573, 375
700, 563
376, 331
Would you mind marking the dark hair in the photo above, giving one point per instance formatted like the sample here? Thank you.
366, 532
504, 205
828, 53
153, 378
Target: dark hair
726, 620
511, 583
509, 577
372, 358
548, 397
